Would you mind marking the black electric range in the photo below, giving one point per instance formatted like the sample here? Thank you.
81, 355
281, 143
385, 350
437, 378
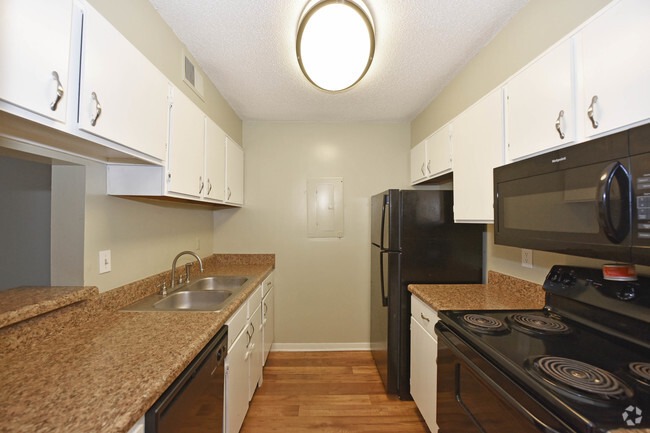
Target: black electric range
581, 364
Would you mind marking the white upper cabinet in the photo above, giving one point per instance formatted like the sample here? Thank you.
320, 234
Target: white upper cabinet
215, 162
616, 68
35, 55
234, 173
432, 156
477, 140
419, 162
186, 145
123, 97
540, 104
439, 152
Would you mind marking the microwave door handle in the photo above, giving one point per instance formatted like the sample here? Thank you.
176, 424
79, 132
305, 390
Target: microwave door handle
384, 298
615, 170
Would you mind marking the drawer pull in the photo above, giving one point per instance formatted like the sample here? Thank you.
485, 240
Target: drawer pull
424, 318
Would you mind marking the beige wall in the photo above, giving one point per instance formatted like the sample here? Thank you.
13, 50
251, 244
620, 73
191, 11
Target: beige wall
322, 285
139, 22
536, 27
143, 236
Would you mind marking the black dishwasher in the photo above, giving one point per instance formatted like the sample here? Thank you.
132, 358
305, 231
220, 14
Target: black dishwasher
194, 402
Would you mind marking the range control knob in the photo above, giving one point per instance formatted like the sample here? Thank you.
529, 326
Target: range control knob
626, 293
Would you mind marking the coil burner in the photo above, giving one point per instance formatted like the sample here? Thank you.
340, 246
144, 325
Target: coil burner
537, 324
485, 324
581, 380
641, 371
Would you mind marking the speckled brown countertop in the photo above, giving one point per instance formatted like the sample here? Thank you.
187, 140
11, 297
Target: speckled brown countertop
502, 292
24, 303
96, 369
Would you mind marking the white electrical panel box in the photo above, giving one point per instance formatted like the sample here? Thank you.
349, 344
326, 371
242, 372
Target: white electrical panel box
325, 207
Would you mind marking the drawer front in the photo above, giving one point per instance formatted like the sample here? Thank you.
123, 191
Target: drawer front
424, 315
254, 301
267, 284
236, 323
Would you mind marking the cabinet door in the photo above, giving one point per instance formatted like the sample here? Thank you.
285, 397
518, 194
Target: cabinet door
123, 97
215, 161
419, 162
477, 141
439, 152
185, 163
236, 367
268, 323
234, 172
34, 44
616, 67
255, 351
424, 351
540, 101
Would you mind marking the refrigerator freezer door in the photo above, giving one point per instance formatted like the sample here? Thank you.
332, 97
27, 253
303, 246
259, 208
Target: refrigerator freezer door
385, 220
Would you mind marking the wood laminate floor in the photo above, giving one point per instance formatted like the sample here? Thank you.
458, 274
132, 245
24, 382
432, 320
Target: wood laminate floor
327, 392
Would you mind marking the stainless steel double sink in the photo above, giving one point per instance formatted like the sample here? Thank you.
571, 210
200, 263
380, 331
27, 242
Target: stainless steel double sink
211, 293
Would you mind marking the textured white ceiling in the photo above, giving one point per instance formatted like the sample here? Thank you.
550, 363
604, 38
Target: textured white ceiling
247, 49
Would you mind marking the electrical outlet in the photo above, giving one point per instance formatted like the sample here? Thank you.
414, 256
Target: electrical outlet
104, 261
526, 258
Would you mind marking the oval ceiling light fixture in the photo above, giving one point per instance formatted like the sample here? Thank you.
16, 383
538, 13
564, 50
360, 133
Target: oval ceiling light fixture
335, 43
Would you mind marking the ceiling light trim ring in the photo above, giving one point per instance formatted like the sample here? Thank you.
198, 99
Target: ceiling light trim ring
366, 19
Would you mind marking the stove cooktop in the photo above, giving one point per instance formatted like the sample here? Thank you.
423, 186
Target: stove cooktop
590, 379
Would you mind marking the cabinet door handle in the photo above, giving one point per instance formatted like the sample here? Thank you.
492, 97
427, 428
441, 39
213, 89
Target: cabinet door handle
558, 124
209, 186
229, 193
422, 170
201, 184
253, 333
424, 318
266, 308
590, 112
98, 109
429, 166
59, 91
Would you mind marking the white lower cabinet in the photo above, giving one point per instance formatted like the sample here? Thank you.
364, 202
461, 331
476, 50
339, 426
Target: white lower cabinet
255, 351
424, 352
243, 364
236, 367
268, 323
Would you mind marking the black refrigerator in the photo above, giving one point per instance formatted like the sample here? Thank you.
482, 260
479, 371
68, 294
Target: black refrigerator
413, 240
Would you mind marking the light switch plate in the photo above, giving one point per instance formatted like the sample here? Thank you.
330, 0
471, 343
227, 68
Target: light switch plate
104, 261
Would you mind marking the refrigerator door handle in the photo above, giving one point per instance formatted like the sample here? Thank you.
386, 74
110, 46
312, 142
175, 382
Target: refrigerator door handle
384, 298
383, 222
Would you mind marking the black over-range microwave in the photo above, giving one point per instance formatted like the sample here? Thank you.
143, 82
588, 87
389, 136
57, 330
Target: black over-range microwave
591, 199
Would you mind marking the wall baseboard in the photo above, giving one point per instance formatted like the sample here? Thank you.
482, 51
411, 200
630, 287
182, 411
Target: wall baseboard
318, 347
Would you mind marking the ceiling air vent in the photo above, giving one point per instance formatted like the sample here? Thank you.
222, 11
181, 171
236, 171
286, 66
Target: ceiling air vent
191, 76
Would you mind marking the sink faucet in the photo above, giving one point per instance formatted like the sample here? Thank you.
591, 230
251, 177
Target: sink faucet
187, 266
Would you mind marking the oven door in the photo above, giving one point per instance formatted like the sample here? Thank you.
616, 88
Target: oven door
574, 201
474, 397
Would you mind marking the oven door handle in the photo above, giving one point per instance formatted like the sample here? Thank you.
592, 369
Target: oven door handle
613, 233
514, 403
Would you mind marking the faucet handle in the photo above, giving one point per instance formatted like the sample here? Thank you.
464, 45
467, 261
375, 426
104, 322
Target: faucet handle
163, 288
188, 267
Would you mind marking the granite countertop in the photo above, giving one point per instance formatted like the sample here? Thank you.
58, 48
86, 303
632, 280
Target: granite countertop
502, 292
101, 374
23, 303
